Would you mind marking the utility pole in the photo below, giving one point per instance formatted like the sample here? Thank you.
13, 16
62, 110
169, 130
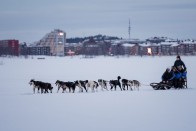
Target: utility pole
129, 29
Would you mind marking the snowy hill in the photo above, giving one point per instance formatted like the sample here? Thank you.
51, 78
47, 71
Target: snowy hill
96, 38
143, 110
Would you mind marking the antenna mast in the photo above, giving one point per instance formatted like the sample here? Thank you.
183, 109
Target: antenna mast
129, 29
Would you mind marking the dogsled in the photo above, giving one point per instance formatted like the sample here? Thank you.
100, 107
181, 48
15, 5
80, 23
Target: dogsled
175, 78
180, 84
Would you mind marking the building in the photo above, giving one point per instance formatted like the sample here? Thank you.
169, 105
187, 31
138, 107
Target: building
189, 47
34, 50
9, 47
104, 47
23, 49
117, 49
90, 47
125, 47
55, 40
163, 46
39, 50
73, 49
174, 49
166, 48
149, 49
129, 49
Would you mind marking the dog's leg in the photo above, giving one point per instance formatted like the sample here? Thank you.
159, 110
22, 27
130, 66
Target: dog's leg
102, 86
38, 88
85, 88
41, 90
34, 90
63, 89
105, 86
58, 89
123, 86
73, 88
120, 87
131, 87
111, 87
115, 87
93, 88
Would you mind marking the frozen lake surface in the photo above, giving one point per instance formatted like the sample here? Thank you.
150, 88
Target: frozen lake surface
143, 110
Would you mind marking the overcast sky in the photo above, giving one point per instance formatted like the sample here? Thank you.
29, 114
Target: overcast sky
30, 20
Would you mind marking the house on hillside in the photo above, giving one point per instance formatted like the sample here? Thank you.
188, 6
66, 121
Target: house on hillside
166, 48
130, 49
149, 49
189, 47
90, 47
117, 48
73, 48
174, 49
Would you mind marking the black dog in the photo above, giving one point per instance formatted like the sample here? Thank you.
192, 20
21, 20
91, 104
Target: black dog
41, 85
127, 83
64, 85
114, 83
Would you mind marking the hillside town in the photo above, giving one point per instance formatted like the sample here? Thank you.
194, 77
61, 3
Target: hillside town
55, 43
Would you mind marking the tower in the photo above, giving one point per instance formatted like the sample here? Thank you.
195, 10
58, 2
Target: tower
129, 29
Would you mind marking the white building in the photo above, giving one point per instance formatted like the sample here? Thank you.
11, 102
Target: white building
56, 41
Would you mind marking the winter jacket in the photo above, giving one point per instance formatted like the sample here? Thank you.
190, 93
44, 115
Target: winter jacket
167, 76
184, 74
176, 75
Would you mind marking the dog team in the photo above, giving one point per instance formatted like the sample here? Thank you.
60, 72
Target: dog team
85, 85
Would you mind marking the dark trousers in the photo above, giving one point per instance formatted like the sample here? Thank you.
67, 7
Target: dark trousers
178, 83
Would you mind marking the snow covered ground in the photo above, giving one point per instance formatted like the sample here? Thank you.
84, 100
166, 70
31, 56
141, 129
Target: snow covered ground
143, 110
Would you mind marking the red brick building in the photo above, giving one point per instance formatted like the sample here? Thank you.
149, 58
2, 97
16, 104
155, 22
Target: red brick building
9, 47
